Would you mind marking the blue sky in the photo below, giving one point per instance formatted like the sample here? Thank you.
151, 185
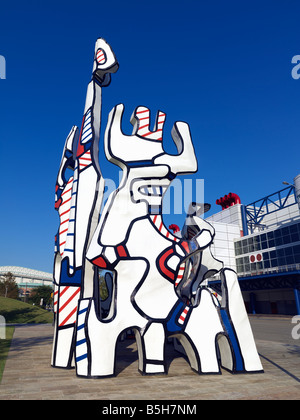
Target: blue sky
223, 67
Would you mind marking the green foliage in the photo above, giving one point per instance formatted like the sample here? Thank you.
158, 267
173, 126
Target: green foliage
17, 312
41, 293
8, 286
103, 288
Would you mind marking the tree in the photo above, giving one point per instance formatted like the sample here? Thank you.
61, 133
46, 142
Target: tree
103, 286
8, 286
41, 292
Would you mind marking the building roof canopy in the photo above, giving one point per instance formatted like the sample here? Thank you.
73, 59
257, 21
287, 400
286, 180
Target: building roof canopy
25, 272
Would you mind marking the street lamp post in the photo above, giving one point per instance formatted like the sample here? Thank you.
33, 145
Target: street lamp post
287, 183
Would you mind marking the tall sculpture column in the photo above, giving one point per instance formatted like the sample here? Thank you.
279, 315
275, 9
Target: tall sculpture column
78, 201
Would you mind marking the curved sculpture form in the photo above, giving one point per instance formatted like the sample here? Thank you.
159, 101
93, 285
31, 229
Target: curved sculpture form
156, 280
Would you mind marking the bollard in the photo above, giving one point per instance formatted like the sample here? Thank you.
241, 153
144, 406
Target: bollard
2, 327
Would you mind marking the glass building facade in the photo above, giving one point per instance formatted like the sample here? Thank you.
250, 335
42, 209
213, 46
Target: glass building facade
268, 251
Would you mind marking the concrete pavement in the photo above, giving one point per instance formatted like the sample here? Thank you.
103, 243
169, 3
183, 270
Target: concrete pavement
28, 374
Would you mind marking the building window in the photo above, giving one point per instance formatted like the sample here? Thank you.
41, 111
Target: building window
239, 265
278, 237
238, 248
290, 259
271, 241
245, 249
274, 263
250, 245
294, 232
295, 236
256, 243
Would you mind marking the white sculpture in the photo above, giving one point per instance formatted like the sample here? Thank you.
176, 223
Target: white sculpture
78, 200
158, 287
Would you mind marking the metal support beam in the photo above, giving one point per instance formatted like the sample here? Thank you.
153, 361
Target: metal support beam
244, 220
297, 299
256, 211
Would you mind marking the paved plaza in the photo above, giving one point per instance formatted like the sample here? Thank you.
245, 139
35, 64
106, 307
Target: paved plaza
28, 374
